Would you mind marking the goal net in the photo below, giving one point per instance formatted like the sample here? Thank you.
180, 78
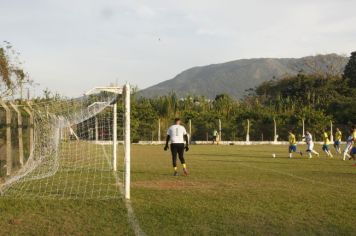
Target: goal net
75, 149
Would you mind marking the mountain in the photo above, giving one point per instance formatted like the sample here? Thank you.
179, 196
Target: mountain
235, 77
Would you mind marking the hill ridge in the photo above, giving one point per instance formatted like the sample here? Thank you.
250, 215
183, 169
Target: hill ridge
235, 77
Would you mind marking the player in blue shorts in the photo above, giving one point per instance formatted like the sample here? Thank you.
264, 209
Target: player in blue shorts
353, 150
292, 144
326, 144
348, 147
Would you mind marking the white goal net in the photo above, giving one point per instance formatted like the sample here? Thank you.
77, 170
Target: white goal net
74, 153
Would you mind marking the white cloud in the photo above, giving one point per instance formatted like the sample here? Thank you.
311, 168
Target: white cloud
145, 11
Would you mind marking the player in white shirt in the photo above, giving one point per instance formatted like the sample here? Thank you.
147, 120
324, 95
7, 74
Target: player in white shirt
349, 142
309, 140
178, 137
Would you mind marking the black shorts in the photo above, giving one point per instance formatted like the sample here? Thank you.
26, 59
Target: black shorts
177, 149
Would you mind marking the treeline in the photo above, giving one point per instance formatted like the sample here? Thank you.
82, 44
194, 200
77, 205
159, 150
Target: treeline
317, 99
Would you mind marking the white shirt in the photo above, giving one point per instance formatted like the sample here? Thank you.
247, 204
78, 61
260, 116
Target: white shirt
308, 138
349, 139
176, 133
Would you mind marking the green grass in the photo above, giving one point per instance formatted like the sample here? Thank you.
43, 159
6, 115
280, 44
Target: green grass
231, 190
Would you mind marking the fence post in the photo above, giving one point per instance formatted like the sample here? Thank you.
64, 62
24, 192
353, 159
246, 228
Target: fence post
190, 131
29, 111
159, 131
275, 130
8, 138
331, 132
248, 131
220, 135
19, 130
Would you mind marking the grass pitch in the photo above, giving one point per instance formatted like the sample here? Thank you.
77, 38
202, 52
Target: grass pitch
231, 190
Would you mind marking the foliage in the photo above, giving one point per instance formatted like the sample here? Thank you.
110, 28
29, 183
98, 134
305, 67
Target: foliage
350, 70
316, 98
12, 75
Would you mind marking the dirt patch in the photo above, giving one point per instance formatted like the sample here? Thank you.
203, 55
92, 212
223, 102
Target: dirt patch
173, 184
15, 221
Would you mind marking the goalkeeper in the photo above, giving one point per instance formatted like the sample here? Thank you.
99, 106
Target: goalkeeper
177, 135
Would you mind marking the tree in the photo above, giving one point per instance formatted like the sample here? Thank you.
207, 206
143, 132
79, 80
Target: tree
350, 70
4, 69
12, 76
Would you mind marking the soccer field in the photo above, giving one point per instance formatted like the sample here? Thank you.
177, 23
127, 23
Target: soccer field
231, 190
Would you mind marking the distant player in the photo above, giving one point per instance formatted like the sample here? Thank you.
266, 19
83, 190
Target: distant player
292, 144
177, 135
215, 136
326, 144
353, 150
310, 144
337, 142
349, 142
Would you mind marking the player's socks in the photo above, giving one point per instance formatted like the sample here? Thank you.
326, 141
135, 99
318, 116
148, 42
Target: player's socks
346, 155
310, 155
290, 155
175, 171
185, 171
316, 153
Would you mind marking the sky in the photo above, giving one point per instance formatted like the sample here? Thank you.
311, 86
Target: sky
70, 46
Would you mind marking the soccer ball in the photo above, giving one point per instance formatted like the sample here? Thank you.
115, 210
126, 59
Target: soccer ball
274, 155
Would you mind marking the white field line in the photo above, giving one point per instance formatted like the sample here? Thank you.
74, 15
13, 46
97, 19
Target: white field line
294, 176
130, 212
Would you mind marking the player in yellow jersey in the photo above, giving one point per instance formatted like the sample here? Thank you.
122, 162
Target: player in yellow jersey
292, 144
326, 144
337, 142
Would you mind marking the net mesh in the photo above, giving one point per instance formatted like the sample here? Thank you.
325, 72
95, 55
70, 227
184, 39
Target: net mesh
71, 156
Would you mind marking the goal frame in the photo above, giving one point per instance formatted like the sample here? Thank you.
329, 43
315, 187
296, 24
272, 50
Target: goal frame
126, 92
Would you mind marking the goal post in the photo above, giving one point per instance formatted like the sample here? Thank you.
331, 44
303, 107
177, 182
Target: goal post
127, 143
126, 92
